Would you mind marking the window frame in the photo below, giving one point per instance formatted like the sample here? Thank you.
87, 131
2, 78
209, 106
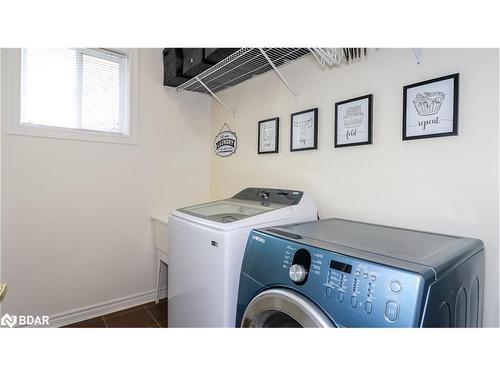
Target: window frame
11, 104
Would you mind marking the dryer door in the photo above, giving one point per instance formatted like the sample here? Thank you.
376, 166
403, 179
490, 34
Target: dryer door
283, 308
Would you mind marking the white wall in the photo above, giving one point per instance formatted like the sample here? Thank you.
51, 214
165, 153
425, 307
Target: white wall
447, 185
76, 214
1, 173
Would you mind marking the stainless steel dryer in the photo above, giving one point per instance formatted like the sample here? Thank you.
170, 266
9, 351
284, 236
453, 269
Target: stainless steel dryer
340, 273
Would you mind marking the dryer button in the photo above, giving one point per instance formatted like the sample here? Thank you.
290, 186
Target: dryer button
340, 297
354, 301
395, 286
328, 292
391, 311
368, 307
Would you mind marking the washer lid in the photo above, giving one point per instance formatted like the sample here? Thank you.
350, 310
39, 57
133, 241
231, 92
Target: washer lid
229, 210
248, 202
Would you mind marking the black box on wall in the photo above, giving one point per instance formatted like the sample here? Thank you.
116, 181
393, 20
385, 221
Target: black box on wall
182, 64
172, 67
215, 55
194, 61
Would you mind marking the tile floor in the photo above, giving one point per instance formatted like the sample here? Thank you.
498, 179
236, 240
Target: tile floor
149, 315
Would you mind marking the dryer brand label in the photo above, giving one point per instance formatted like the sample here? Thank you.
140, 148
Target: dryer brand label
257, 238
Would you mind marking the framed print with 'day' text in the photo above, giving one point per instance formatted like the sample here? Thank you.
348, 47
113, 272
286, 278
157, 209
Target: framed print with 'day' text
304, 130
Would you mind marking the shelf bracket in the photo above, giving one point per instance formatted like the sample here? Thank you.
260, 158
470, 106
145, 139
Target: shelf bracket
418, 55
318, 58
278, 72
215, 96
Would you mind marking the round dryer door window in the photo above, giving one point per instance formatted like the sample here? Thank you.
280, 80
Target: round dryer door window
283, 308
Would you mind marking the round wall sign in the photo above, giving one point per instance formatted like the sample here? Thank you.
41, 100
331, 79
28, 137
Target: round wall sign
226, 142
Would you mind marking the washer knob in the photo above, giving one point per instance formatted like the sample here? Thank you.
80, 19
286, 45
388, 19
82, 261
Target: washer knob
297, 273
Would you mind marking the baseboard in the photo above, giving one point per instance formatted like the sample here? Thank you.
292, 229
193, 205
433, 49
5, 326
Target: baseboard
93, 311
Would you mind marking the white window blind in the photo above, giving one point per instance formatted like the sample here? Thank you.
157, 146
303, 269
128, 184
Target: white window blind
81, 89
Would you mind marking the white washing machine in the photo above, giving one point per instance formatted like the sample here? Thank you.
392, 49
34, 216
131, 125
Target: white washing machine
206, 247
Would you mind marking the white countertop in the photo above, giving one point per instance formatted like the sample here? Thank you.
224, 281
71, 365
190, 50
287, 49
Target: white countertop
161, 218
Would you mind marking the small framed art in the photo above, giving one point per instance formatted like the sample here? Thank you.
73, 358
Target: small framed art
430, 108
304, 130
268, 137
353, 122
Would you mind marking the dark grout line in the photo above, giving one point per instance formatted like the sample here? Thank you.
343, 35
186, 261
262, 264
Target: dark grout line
149, 312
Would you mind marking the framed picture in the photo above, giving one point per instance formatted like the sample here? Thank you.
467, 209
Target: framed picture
268, 138
430, 108
353, 122
304, 130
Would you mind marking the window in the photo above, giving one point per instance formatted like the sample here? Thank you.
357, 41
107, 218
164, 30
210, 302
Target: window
76, 93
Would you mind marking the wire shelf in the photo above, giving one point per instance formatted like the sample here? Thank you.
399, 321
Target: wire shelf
240, 66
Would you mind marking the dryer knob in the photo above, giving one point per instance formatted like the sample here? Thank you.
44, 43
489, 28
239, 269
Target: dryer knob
297, 273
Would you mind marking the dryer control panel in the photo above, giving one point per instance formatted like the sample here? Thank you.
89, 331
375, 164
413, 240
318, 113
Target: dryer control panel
354, 292
362, 287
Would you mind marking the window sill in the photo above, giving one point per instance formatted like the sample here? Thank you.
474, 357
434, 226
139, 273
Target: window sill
71, 134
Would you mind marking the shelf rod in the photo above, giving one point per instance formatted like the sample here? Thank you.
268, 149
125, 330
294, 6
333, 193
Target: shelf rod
278, 72
215, 96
